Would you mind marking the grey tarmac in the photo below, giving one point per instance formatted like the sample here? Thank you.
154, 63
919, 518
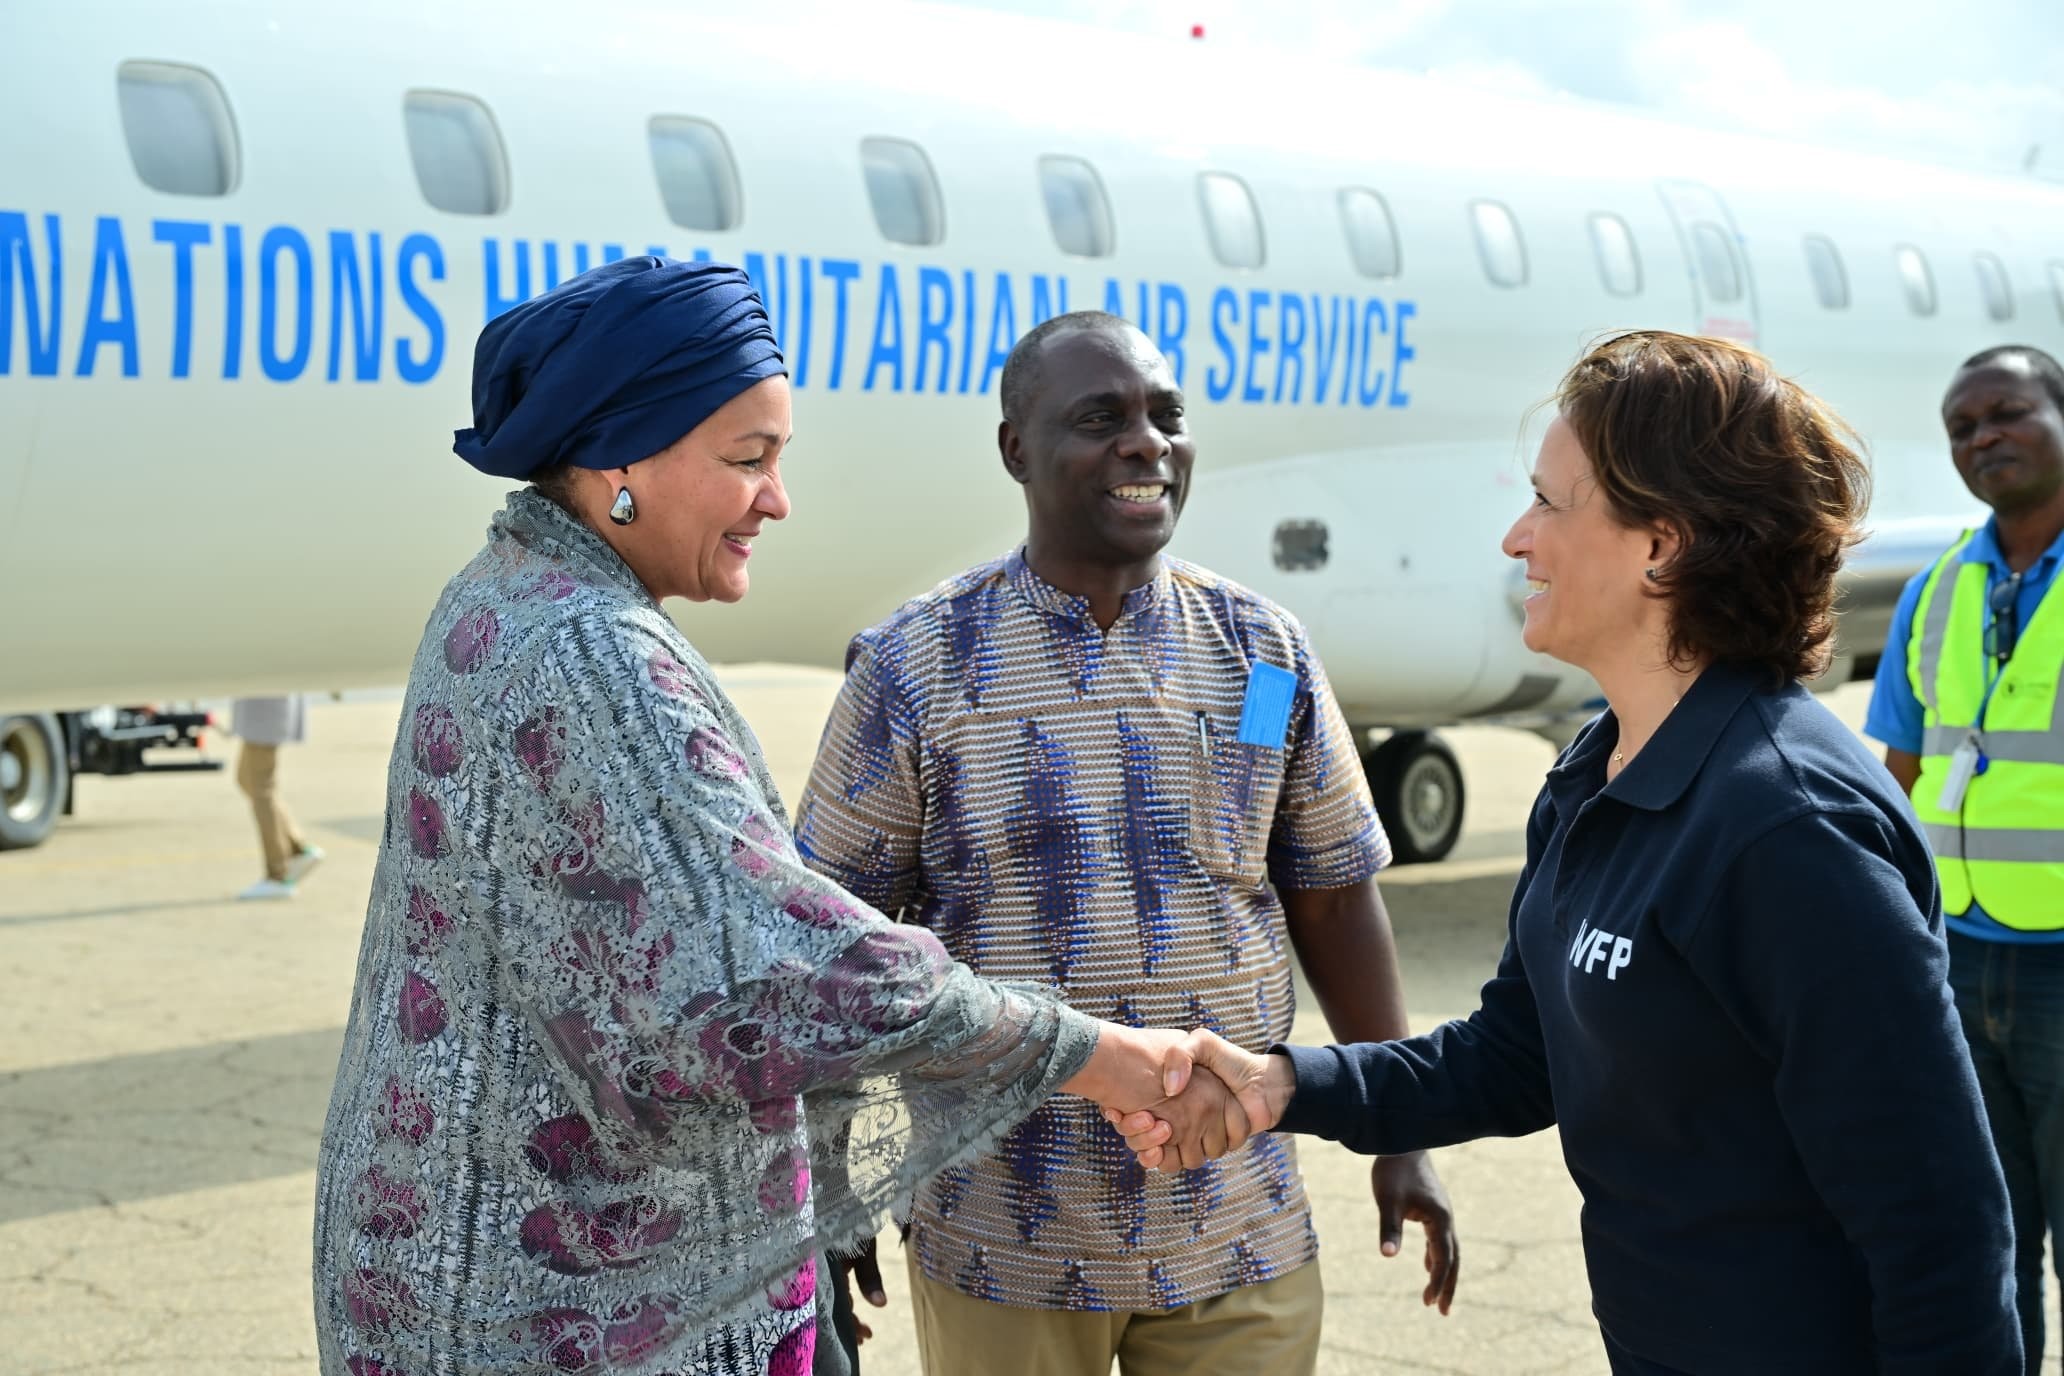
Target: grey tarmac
166, 1054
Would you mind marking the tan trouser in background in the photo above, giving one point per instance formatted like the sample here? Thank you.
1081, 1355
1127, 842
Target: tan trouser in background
258, 777
1270, 1329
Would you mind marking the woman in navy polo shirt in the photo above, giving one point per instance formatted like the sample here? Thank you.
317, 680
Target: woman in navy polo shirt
1725, 979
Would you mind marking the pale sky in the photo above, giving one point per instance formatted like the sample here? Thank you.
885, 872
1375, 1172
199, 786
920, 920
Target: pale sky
1971, 84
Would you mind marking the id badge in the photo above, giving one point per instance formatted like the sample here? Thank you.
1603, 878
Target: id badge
1963, 764
1265, 712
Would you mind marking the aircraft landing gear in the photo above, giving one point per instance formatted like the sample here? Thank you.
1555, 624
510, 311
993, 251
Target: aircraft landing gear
1417, 783
35, 775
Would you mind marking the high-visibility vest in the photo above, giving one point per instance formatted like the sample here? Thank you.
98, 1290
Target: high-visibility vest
2003, 845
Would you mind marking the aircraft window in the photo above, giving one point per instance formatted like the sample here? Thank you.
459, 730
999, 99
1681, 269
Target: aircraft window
181, 136
903, 191
1619, 265
2057, 286
1824, 266
1498, 244
697, 178
1076, 209
457, 152
1915, 277
1994, 287
1371, 236
1716, 262
1231, 219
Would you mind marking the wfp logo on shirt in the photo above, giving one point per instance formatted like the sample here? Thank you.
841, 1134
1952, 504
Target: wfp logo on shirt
1592, 946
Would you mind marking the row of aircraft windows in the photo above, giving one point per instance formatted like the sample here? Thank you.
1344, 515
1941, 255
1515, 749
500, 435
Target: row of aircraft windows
182, 139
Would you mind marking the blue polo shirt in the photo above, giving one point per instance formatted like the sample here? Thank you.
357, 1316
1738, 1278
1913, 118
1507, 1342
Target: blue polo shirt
1896, 714
1726, 981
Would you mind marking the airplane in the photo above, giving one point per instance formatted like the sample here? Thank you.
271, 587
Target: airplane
246, 251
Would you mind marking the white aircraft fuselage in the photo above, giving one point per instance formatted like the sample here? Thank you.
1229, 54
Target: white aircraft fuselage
225, 421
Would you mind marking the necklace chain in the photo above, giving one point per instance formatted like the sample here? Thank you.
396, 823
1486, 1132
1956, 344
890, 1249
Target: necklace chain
1619, 757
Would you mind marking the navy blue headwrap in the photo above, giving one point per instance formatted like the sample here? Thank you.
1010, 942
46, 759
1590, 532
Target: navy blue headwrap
614, 365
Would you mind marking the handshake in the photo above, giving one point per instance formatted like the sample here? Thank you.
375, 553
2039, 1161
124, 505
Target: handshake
1182, 1098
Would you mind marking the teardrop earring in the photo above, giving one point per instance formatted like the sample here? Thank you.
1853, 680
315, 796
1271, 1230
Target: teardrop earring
623, 511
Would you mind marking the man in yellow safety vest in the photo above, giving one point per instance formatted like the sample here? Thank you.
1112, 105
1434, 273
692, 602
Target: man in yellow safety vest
1966, 702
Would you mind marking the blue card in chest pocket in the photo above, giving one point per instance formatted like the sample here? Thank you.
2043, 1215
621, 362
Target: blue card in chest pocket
1265, 713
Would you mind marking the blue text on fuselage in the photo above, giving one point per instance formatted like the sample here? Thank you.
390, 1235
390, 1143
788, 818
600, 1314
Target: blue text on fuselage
289, 304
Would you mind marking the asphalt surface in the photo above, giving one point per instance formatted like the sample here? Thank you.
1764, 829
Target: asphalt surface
166, 1055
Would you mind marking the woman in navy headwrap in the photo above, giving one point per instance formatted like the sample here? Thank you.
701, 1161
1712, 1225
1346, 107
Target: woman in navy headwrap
619, 1065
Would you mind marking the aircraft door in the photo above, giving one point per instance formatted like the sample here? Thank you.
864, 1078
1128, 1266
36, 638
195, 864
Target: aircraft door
1723, 292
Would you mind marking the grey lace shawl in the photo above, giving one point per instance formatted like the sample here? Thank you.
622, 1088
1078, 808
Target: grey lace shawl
617, 1062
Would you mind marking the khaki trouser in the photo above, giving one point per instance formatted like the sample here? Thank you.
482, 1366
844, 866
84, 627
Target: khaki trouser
1269, 1329
258, 777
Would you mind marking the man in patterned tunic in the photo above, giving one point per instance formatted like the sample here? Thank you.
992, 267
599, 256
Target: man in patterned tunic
1093, 766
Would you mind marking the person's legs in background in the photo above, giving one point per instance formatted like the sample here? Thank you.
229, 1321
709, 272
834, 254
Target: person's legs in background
1271, 1325
258, 777
2034, 1063
1984, 976
959, 1335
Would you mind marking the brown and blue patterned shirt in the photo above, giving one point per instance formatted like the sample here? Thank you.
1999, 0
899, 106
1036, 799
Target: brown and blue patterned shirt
1079, 808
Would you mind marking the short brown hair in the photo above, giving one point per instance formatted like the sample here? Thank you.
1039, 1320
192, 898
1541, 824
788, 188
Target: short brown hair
1763, 484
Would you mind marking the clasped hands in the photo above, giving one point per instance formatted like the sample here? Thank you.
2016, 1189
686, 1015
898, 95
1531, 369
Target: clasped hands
1172, 1117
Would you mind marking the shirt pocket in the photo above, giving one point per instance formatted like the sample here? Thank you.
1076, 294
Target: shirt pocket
1233, 803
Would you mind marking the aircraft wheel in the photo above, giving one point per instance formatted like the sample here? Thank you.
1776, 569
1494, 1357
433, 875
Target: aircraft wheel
34, 774
1418, 787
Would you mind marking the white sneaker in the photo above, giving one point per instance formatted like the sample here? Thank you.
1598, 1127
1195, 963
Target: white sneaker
266, 889
302, 861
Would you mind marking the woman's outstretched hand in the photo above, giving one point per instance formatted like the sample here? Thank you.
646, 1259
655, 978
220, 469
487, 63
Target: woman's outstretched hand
1133, 1068
1177, 1135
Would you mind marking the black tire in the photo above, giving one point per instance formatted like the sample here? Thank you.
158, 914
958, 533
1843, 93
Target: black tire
35, 775
1419, 795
